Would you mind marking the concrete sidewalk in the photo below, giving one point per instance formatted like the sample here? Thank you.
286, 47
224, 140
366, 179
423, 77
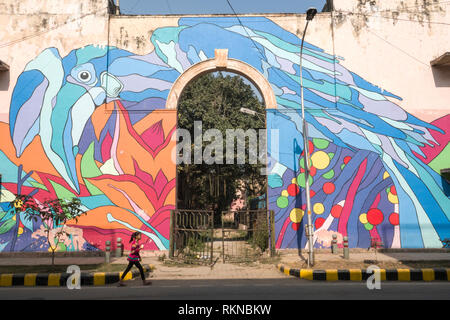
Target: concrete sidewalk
287, 258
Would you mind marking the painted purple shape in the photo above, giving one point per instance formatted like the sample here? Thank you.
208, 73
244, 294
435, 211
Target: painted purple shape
344, 75
151, 58
147, 104
182, 57
387, 147
384, 108
137, 83
285, 65
321, 63
336, 127
286, 90
29, 114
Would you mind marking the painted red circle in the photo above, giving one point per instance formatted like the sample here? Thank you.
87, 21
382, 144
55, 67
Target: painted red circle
293, 189
347, 159
375, 216
312, 171
310, 147
393, 190
328, 187
312, 193
394, 219
336, 211
295, 226
319, 222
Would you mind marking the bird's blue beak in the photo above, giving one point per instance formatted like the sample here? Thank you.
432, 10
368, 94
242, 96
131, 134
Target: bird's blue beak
110, 84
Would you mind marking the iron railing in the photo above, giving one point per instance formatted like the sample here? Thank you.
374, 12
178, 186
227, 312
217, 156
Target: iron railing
192, 235
242, 237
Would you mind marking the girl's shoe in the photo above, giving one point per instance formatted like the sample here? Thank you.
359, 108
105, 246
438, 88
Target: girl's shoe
121, 284
146, 283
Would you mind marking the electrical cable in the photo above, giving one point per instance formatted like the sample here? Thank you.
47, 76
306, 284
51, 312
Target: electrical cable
248, 35
394, 46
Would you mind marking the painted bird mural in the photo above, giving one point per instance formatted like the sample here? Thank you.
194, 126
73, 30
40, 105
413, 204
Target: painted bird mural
55, 97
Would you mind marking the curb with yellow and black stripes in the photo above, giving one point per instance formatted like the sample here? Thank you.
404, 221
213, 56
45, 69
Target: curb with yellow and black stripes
437, 274
60, 279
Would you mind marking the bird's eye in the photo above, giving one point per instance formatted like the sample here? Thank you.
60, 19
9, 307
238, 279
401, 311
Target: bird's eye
84, 76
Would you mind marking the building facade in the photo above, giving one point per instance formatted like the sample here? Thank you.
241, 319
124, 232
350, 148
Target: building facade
88, 110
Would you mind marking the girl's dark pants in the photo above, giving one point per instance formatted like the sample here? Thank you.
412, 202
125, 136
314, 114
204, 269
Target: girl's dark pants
130, 265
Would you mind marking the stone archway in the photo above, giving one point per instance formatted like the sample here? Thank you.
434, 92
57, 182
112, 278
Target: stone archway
221, 62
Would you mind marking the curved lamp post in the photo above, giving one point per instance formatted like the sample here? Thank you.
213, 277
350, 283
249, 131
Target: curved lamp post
310, 13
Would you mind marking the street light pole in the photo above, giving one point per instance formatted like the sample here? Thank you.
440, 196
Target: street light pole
252, 112
310, 13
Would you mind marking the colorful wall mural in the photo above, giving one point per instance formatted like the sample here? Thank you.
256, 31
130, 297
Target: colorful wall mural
92, 125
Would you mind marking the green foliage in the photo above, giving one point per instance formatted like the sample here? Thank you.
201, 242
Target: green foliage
195, 244
216, 101
54, 214
260, 236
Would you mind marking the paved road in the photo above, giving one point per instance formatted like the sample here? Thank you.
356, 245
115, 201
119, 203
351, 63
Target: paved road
260, 289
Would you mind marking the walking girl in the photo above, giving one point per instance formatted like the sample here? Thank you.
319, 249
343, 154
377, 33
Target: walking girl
134, 258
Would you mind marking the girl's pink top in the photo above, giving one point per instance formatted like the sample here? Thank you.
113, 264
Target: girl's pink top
134, 253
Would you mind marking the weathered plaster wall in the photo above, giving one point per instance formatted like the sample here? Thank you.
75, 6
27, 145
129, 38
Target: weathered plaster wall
391, 44
27, 28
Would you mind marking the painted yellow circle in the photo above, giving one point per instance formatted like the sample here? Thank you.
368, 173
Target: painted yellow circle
284, 193
296, 215
320, 160
20, 231
385, 175
392, 198
363, 218
318, 208
294, 180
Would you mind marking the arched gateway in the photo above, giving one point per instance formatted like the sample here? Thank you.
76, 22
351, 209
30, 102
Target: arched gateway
223, 63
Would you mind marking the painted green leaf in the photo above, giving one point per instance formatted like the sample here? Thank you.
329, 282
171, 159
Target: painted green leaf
8, 225
61, 192
88, 166
329, 174
89, 169
321, 143
38, 185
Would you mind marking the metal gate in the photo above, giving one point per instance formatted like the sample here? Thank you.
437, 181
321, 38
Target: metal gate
246, 235
243, 236
192, 235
